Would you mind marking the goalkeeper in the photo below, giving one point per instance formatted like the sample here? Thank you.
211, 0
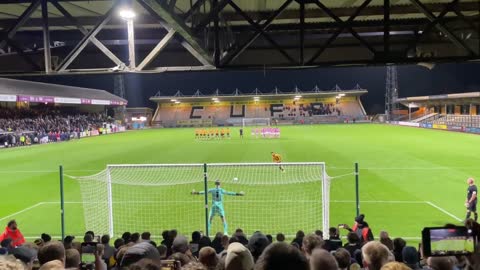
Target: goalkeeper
217, 204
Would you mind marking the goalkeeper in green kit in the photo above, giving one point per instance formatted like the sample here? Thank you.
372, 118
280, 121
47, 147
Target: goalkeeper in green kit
217, 204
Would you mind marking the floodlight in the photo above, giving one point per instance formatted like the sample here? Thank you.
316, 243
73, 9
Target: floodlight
127, 14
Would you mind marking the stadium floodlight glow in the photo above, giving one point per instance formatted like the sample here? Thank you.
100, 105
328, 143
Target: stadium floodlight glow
298, 96
177, 102
141, 118
127, 14
214, 98
173, 100
216, 101
341, 95
256, 98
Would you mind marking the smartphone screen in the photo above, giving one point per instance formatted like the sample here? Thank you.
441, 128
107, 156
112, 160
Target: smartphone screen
88, 253
444, 241
88, 258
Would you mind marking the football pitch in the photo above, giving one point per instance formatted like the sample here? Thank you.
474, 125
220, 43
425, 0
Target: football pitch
409, 178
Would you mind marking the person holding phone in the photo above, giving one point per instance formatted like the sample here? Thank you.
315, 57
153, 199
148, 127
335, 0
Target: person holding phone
471, 201
361, 228
217, 203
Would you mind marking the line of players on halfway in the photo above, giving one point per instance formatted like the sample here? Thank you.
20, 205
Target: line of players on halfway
212, 133
224, 133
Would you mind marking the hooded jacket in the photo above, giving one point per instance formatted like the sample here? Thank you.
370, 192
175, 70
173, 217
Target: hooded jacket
16, 236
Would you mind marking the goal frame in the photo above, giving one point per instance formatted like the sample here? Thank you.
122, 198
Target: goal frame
267, 120
325, 186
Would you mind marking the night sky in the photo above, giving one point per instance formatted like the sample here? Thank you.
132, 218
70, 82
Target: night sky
413, 81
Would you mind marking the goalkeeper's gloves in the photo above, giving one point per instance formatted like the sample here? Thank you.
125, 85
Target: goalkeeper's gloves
241, 193
467, 204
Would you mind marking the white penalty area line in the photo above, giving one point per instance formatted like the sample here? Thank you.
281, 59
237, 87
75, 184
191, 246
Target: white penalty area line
444, 211
21, 211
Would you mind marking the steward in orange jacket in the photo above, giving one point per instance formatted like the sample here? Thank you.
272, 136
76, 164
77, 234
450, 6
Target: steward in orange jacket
12, 232
361, 229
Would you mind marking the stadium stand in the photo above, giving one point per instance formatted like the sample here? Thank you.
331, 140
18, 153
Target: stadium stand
285, 108
457, 112
449, 119
32, 112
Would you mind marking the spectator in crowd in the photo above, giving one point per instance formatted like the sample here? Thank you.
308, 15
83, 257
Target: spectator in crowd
270, 238
204, 242
194, 266
135, 237
88, 237
109, 251
182, 258
410, 257
322, 260
180, 247
361, 228
256, 244
72, 259
99, 262
53, 265
162, 250
38, 242
208, 257
194, 243
6, 246
334, 242
241, 237
319, 233
45, 238
280, 237
385, 239
311, 242
353, 243
217, 242
299, 238
68, 241
145, 264
282, 256
118, 243
375, 255
142, 250
10, 263
126, 237
441, 263
238, 258
225, 244
343, 258
25, 254
395, 266
398, 245
51, 251
12, 232
145, 236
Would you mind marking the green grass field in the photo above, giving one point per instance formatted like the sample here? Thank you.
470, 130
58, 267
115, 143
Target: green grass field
409, 178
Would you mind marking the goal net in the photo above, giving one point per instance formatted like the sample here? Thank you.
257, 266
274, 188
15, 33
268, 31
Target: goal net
263, 122
158, 197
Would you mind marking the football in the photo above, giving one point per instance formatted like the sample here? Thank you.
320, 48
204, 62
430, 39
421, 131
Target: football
235, 179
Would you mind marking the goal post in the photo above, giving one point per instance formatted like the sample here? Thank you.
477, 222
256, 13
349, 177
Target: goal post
256, 122
157, 197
